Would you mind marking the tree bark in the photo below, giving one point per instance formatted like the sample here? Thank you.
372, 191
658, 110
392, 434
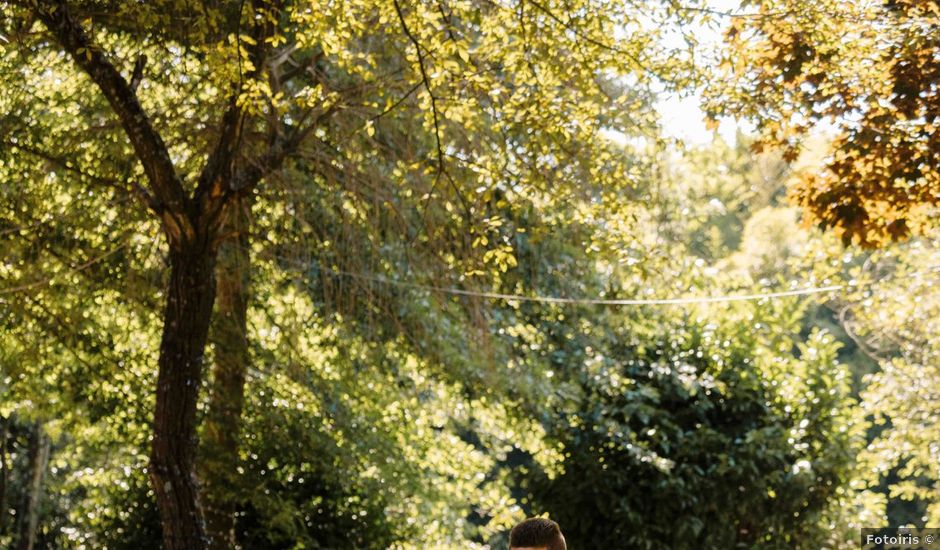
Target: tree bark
190, 294
4, 471
190, 224
221, 433
29, 514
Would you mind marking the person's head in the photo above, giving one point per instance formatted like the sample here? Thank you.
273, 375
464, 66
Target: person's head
537, 534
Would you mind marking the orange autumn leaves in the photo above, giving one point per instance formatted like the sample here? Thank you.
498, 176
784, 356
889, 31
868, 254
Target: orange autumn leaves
869, 73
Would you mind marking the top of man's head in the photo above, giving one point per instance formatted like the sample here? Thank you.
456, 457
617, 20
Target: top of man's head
536, 533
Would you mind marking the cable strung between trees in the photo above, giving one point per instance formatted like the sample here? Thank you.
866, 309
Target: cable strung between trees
599, 301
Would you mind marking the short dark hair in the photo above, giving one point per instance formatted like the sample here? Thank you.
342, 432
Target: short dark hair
537, 533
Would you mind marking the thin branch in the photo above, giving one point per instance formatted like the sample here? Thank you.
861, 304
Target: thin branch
868, 349
427, 85
446, 17
62, 329
145, 196
244, 181
300, 67
441, 167
398, 102
47, 280
610, 47
281, 147
283, 56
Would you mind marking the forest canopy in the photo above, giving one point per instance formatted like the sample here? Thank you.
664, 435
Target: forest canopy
400, 274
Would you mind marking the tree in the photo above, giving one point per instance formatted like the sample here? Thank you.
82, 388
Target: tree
870, 72
867, 74
38, 462
893, 314
241, 89
688, 425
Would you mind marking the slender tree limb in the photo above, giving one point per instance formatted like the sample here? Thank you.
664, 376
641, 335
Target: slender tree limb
72, 270
300, 68
398, 102
435, 113
427, 85
281, 146
141, 192
600, 44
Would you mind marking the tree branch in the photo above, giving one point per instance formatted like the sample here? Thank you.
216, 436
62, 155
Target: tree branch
427, 86
138, 73
301, 67
65, 164
215, 181
281, 147
600, 44
173, 204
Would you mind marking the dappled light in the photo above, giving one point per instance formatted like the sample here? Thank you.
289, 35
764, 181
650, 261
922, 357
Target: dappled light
402, 274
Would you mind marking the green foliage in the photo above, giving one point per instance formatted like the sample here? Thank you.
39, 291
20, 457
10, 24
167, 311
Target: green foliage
448, 146
893, 313
705, 435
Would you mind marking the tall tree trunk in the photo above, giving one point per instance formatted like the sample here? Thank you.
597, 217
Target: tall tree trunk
29, 514
190, 223
190, 295
221, 432
4, 471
